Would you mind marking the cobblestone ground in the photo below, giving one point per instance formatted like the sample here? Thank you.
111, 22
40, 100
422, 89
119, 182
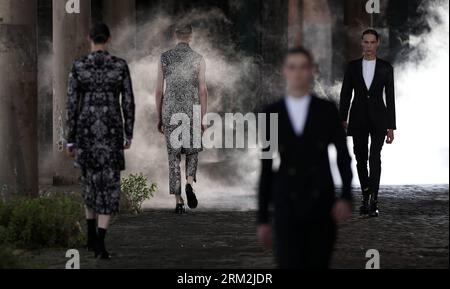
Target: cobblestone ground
412, 232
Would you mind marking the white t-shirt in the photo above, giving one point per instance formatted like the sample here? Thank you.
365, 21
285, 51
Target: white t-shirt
369, 71
298, 108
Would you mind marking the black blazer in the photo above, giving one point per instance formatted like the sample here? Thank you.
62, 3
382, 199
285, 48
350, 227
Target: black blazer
303, 187
368, 110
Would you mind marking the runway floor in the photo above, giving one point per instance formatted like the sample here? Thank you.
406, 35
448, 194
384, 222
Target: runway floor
412, 232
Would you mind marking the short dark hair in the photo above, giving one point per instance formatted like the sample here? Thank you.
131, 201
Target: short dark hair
99, 33
371, 31
183, 29
302, 51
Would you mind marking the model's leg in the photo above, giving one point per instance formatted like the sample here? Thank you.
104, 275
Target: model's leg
321, 238
108, 201
290, 244
91, 220
175, 180
191, 176
103, 225
377, 141
191, 168
361, 150
91, 216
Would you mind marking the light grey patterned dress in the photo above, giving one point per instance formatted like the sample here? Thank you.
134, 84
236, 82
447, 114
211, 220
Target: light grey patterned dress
181, 67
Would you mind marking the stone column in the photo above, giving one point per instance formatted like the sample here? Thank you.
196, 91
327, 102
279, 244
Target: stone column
18, 97
317, 36
45, 91
120, 16
274, 44
295, 23
356, 20
70, 32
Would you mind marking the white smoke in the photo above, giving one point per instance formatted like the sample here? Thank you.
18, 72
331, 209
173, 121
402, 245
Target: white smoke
224, 180
420, 153
228, 179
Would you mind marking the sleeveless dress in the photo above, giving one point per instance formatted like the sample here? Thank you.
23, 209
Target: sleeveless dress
180, 68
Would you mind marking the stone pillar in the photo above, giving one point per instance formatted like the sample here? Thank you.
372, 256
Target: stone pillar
45, 91
356, 20
120, 16
274, 44
70, 32
295, 23
317, 36
18, 97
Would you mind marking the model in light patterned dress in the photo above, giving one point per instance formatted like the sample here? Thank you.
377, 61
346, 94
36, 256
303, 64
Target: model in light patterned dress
182, 70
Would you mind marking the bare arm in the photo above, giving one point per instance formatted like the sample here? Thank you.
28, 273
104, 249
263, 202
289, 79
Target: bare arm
159, 91
128, 105
203, 89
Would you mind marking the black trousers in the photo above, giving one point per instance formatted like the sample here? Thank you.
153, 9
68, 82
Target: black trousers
304, 245
369, 180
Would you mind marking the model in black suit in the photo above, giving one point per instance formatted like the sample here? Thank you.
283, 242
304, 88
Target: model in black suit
367, 80
302, 191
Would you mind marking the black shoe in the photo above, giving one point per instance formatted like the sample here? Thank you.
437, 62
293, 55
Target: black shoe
374, 212
180, 209
90, 246
100, 248
364, 209
191, 198
102, 255
91, 235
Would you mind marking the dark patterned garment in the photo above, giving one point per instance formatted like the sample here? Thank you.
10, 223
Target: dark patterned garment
101, 190
100, 117
181, 67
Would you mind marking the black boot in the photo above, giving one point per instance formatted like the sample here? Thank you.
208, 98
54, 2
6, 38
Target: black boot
180, 209
192, 199
100, 250
92, 235
374, 212
364, 209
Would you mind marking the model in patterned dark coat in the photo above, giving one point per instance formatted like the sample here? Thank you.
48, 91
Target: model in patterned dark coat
183, 72
99, 92
100, 120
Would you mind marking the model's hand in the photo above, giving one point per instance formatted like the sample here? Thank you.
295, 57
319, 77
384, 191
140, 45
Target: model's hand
70, 151
264, 232
127, 145
345, 124
159, 126
342, 211
390, 136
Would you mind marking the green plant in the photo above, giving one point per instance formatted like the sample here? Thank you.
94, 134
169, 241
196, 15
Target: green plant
136, 190
8, 260
43, 222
